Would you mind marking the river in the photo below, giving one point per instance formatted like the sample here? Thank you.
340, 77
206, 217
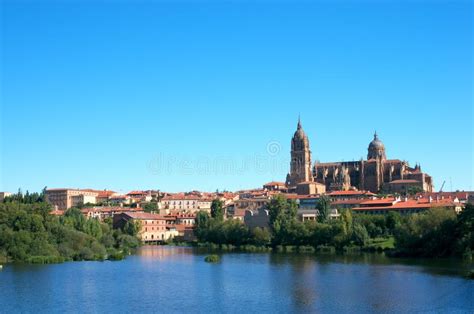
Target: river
176, 279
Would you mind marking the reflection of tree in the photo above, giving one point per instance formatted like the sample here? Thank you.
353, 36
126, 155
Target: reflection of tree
298, 272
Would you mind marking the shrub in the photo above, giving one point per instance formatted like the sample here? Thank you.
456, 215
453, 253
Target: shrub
212, 259
44, 259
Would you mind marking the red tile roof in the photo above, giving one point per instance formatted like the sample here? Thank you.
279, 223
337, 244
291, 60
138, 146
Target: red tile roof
410, 204
273, 183
404, 181
350, 193
379, 201
144, 216
137, 193
109, 209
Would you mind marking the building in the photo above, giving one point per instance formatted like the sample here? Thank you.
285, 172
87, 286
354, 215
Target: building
120, 200
376, 174
103, 196
310, 188
257, 218
3, 195
275, 186
100, 213
184, 219
406, 206
350, 195
462, 196
140, 196
300, 165
185, 203
63, 199
153, 227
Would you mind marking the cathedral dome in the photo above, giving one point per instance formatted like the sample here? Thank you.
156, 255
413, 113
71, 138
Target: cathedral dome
376, 143
376, 149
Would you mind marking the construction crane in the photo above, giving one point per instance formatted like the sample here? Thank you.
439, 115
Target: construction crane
442, 186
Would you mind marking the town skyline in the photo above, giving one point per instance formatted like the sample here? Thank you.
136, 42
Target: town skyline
273, 149
94, 100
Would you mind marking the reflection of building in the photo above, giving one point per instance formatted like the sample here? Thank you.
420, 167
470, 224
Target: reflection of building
63, 199
375, 174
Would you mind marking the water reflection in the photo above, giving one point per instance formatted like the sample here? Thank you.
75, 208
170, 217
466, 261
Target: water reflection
176, 279
170, 253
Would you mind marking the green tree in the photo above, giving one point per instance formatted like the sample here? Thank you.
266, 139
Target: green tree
393, 220
202, 225
346, 219
360, 234
29, 233
324, 208
217, 211
131, 228
261, 236
430, 233
150, 207
464, 233
282, 214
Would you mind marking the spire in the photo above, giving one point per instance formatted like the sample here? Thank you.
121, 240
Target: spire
375, 135
299, 122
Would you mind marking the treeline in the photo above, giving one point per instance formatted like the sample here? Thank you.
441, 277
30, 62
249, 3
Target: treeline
29, 233
435, 233
27, 197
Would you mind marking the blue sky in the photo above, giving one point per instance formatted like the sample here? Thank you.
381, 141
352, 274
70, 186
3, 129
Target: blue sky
205, 95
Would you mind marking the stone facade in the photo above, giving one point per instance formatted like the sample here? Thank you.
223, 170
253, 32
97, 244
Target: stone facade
376, 174
63, 199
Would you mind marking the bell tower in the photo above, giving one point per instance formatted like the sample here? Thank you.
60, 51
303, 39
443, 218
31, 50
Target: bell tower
300, 166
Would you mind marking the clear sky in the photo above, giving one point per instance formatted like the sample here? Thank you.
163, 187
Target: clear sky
182, 95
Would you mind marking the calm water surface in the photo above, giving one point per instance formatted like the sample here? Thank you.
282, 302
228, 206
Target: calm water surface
174, 279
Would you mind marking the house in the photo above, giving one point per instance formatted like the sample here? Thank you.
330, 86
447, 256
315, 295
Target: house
406, 205
350, 195
275, 186
65, 198
140, 196
153, 227
102, 212
3, 195
120, 200
185, 203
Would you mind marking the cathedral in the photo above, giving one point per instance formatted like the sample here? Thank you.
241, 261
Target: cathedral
376, 174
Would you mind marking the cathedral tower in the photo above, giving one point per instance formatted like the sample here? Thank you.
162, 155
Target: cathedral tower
300, 168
